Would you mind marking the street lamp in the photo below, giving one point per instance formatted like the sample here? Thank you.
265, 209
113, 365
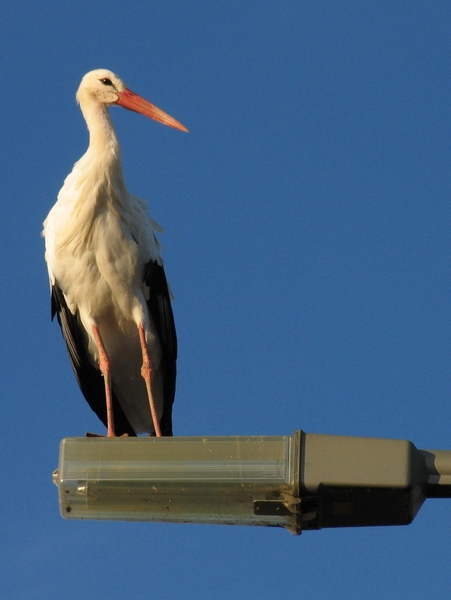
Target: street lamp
300, 482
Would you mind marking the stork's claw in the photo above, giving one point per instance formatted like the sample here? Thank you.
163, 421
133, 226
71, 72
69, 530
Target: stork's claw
89, 434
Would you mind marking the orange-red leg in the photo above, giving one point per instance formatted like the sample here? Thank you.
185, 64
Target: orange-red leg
105, 368
146, 373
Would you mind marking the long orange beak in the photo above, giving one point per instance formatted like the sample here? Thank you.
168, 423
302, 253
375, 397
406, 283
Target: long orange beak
131, 101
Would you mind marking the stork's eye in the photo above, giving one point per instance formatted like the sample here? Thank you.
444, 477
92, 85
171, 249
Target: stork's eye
106, 81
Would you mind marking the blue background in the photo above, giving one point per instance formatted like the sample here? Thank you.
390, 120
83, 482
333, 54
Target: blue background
307, 218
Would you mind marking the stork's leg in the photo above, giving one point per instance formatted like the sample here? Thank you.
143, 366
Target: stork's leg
105, 368
146, 373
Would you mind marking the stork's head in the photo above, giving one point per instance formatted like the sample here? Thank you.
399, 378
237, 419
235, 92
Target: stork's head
105, 88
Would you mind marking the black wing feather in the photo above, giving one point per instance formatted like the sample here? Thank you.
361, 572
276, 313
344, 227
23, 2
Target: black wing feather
89, 377
160, 309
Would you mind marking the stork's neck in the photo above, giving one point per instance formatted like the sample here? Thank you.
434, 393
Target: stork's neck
103, 142
99, 171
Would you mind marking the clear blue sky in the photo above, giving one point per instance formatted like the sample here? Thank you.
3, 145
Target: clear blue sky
307, 218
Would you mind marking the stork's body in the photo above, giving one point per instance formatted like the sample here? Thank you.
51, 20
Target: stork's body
109, 288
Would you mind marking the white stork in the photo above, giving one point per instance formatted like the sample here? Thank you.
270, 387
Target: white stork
108, 286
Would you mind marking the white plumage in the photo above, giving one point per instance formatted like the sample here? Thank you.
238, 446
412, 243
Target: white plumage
108, 285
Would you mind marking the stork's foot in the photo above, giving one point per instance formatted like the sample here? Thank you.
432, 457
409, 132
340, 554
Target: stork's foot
89, 434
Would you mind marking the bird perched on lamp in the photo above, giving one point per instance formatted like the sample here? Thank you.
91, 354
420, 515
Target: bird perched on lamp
108, 286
